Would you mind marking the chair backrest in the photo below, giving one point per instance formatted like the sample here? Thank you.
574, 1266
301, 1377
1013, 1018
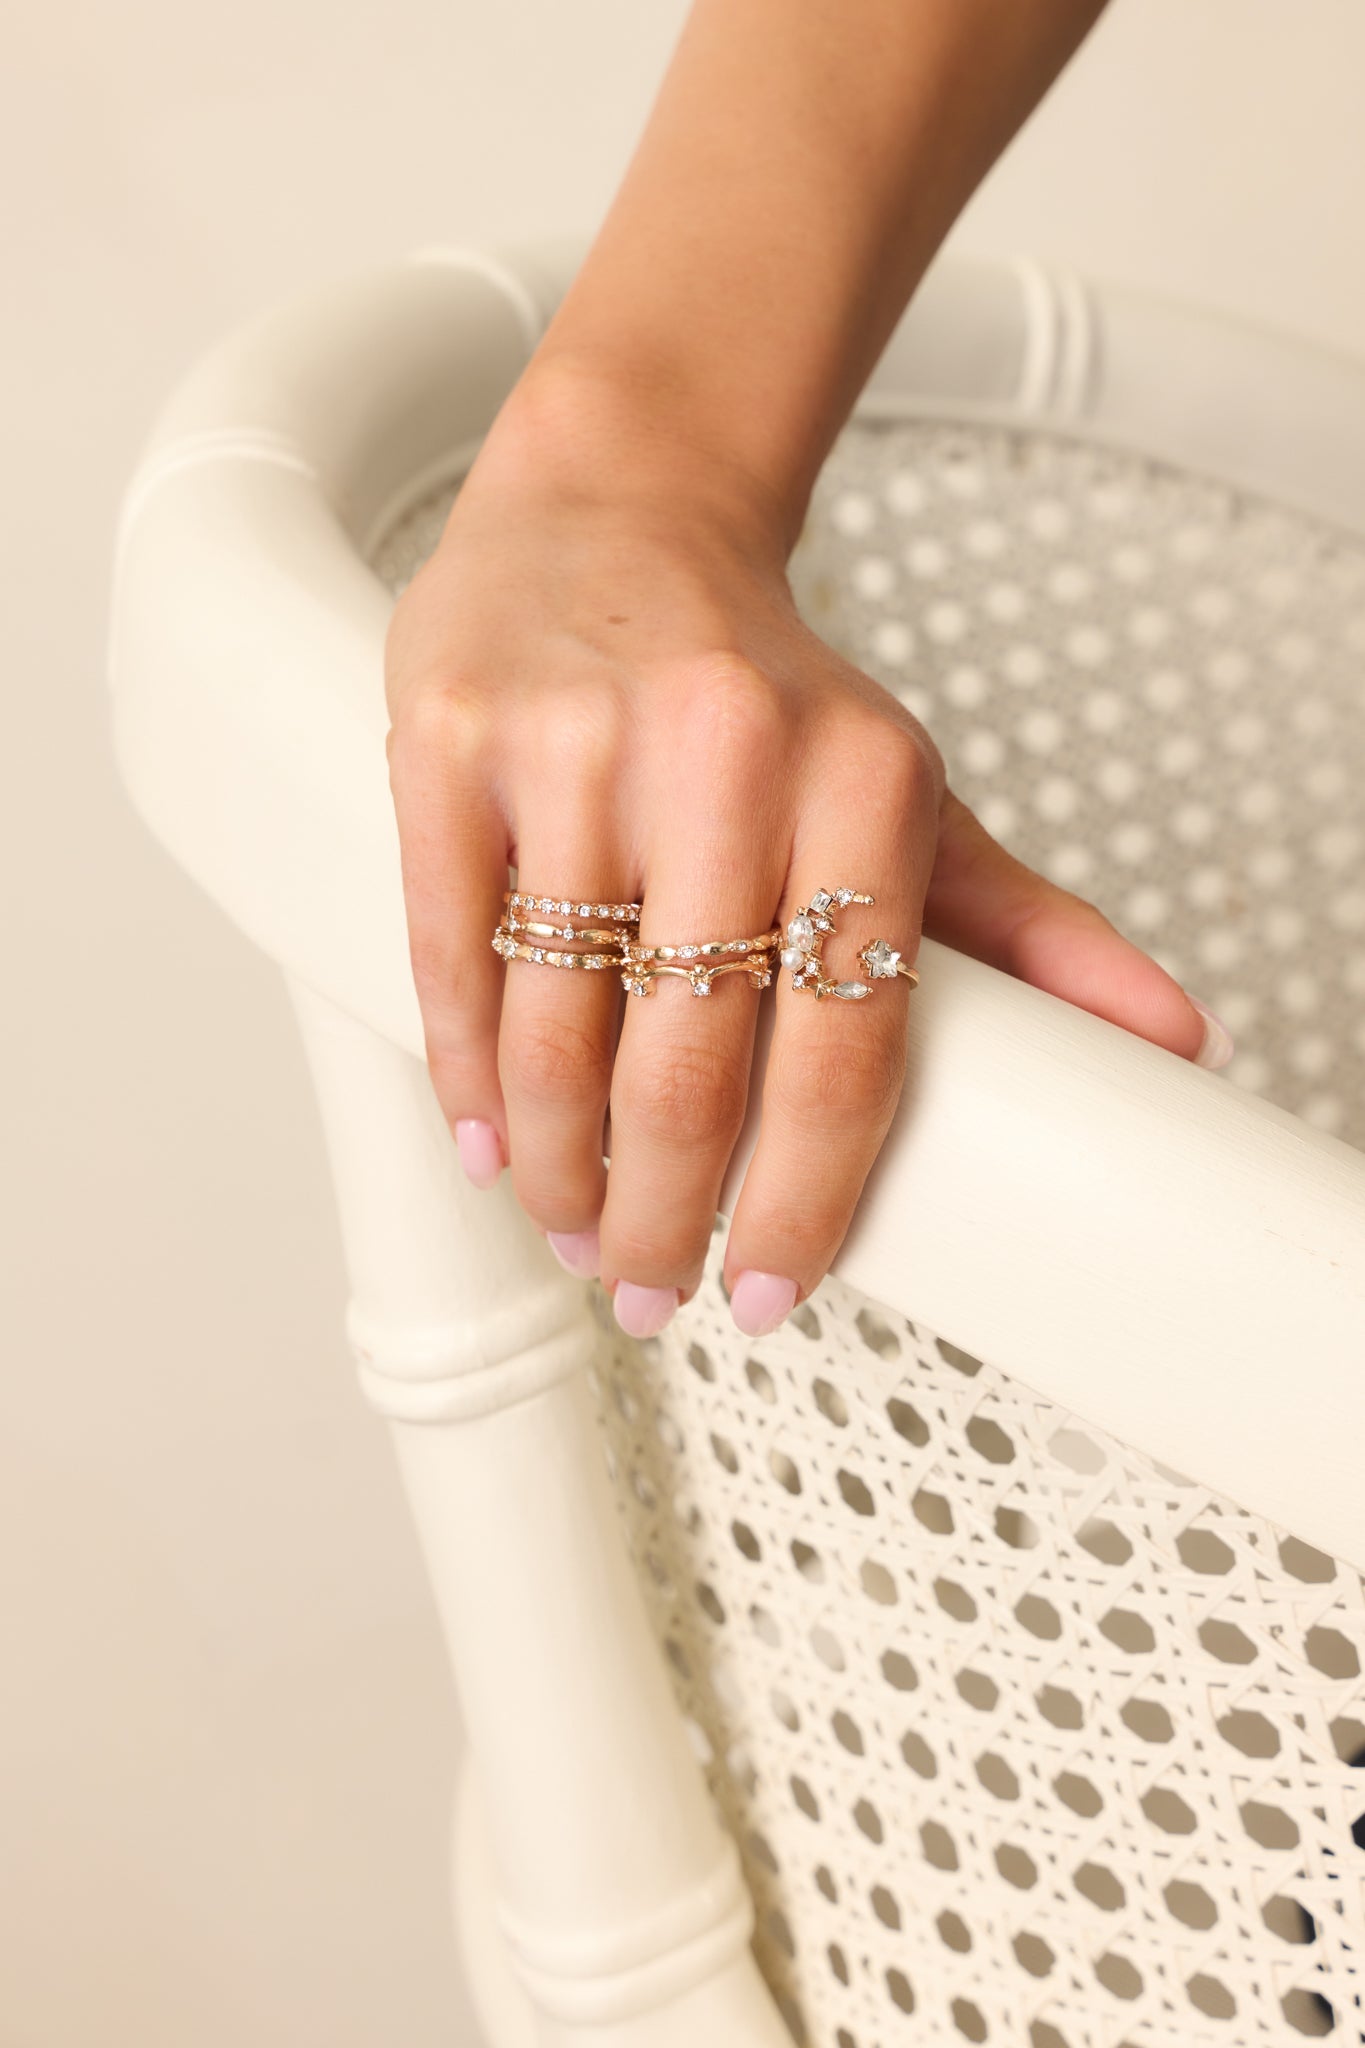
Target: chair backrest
1022, 1733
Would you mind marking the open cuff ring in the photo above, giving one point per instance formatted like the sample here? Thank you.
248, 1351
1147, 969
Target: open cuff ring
806, 935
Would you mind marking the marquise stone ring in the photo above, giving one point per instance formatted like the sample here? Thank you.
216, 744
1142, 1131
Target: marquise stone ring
806, 935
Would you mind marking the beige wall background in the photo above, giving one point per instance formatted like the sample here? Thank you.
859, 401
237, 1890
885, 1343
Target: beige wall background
227, 1737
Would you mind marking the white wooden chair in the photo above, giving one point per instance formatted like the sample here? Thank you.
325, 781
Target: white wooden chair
979, 1657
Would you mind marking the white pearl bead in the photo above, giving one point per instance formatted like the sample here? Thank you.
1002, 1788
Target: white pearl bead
792, 956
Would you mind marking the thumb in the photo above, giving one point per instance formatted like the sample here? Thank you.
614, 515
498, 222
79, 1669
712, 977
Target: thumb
984, 902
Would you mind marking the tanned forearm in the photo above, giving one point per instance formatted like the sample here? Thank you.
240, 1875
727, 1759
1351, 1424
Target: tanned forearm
802, 163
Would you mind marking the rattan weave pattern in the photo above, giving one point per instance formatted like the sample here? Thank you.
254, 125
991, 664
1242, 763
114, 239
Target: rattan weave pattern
1024, 1738
1151, 688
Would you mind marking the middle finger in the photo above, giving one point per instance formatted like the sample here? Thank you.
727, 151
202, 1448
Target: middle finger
681, 1078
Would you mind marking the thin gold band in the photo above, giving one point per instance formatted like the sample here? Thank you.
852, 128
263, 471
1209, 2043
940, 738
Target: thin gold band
636, 979
704, 949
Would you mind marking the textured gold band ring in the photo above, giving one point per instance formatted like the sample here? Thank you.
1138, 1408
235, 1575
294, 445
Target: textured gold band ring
597, 935
708, 949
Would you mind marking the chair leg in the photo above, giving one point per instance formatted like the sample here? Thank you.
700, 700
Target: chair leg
618, 1892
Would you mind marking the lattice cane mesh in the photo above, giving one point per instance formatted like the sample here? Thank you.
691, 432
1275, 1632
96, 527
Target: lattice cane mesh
1151, 689
1025, 1739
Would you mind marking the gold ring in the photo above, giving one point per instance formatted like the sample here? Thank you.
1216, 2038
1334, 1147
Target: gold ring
636, 978
600, 935
806, 935
621, 913
705, 950
544, 956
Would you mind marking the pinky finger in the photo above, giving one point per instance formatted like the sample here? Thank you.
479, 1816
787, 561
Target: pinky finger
453, 844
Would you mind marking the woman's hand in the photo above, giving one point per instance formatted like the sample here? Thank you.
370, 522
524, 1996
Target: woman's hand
601, 678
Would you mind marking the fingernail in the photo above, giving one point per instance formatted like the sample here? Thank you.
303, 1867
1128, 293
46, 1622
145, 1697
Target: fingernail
578, 1251
760, 1301
643, 1311
1218, 1045
480, 1150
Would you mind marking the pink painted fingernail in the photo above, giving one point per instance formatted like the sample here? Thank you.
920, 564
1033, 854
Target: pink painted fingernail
643, 1311
480, 1150
760, 1301
1218, 1046
578, 1251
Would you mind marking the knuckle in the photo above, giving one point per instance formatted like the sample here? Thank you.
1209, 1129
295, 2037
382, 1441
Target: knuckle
443, 717
858, 1079
558, 1195
668, 1244
554, 1057
451, 1078
909, 765
582, 730
433, 978
804, 1236
690, 1092
733, 709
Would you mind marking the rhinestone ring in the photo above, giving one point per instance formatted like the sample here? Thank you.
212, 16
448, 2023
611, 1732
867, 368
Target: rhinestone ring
806, 935
636, 977
564, 906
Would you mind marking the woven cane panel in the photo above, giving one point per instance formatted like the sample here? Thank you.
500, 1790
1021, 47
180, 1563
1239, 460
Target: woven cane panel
1023, 1738
1148, 687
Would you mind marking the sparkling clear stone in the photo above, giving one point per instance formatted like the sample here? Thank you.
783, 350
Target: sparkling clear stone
700, 986
801, 931
851, 990
822, 924
880, 960
798, 981
536, 953
821, 900
687, 952
842, 896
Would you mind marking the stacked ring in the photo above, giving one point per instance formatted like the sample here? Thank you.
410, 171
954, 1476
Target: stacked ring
608, 942
594, 945
707, 958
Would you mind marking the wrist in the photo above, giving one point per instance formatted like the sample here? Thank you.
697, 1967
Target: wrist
627, 428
